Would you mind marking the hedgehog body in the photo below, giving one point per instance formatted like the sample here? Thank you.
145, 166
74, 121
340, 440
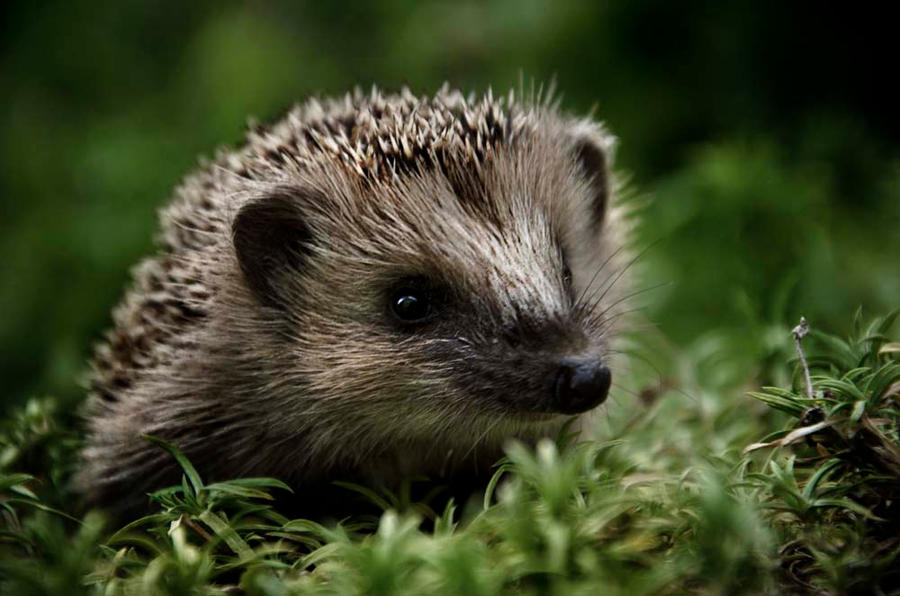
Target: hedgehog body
373, 287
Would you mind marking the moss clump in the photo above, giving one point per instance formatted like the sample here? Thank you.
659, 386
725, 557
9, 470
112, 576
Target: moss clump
693, 488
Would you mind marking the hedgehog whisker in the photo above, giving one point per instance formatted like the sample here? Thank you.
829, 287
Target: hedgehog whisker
625, 268
596, 273
591, 311
481, 437
652, 366
604, 324
625, 389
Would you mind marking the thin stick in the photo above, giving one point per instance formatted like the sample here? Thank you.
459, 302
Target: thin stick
799, 332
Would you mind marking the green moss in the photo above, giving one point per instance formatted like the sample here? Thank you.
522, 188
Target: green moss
700, 489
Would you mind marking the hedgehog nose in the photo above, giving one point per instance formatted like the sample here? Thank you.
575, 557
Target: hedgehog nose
580, 386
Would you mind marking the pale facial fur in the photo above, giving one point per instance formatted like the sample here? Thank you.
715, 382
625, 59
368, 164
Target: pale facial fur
262, 340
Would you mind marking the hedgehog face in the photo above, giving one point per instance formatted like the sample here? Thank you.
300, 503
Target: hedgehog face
449, 291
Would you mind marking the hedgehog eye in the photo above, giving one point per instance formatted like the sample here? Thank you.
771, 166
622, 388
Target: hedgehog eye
411, 305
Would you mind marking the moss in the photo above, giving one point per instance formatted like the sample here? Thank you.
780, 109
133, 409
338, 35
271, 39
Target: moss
697, 490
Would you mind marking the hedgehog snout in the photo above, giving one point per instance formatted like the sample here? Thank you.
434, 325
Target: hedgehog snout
580, 385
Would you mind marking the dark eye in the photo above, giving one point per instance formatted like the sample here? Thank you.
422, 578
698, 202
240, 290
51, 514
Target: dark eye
411, 305
567, 275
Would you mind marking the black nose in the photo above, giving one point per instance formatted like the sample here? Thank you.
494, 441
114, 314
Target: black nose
580, 386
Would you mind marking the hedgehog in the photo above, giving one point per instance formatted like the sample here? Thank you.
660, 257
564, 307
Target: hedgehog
375, 287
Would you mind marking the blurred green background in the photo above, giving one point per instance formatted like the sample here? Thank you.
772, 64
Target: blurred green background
761, 139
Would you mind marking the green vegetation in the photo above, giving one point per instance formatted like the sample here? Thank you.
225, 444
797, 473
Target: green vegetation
675, 497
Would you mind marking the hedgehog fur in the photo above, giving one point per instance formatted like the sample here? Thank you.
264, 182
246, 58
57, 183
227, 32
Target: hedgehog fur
259, 339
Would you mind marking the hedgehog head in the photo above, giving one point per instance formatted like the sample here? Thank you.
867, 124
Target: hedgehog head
433, 266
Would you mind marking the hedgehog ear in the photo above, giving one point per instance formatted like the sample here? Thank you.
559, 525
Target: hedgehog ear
270, 240
593, 149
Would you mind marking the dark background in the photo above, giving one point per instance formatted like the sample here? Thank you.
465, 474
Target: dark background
760, 138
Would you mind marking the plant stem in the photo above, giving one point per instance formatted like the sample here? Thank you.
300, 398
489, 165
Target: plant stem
799, 332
